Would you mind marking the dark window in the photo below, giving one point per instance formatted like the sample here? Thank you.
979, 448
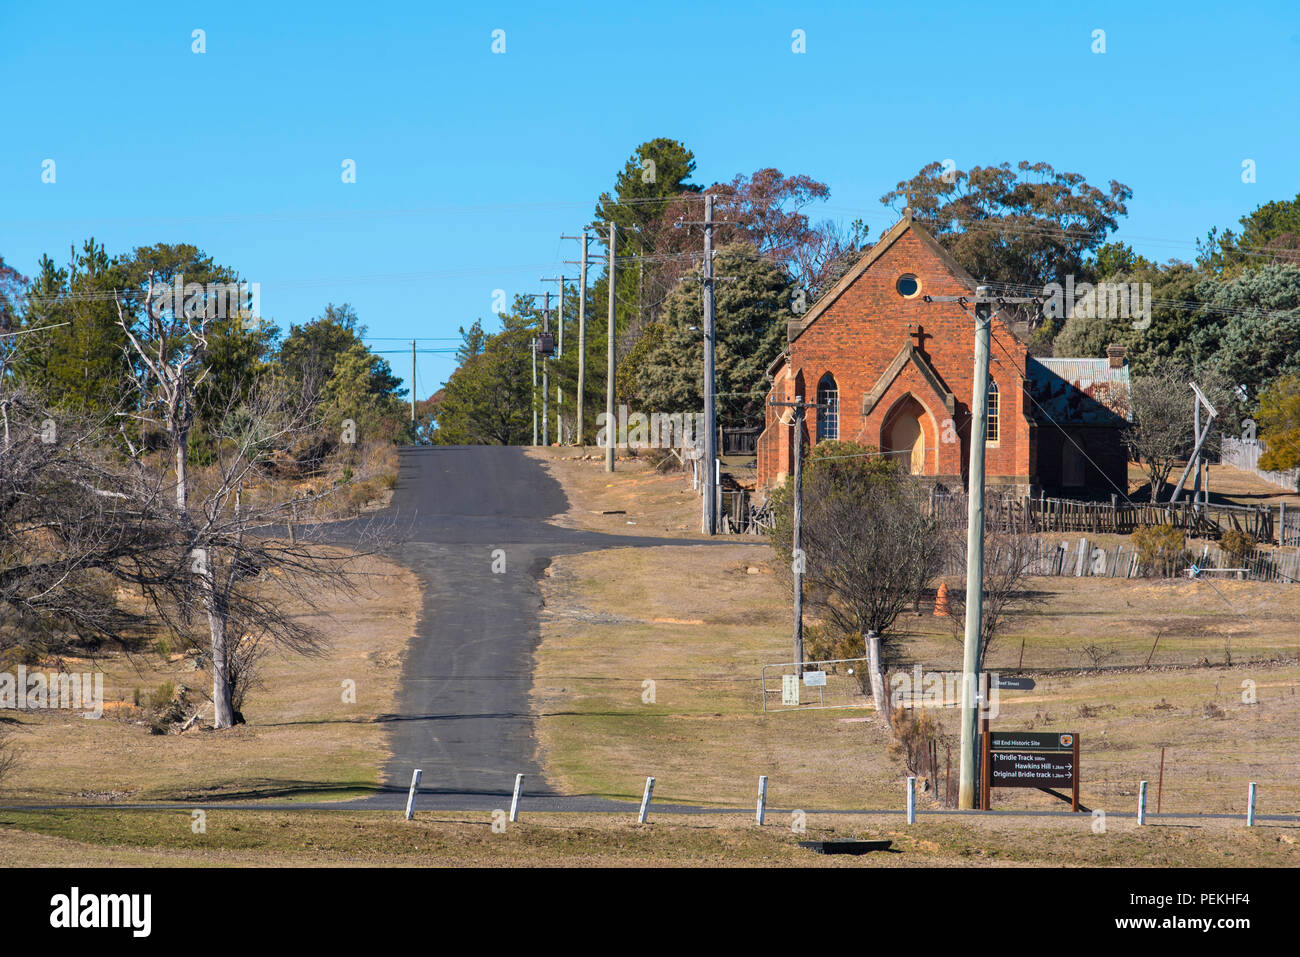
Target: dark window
828, 408
907, 285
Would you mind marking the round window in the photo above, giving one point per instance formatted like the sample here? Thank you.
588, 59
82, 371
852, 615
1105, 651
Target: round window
908, 286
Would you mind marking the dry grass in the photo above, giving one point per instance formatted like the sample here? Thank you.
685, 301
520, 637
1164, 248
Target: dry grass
701, 626
643, 500
336, 839
301, 741
1229, 485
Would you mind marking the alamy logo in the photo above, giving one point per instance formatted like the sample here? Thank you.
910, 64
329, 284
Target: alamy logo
38, 691
657, 430
133, 911
216, 300
942, 689
1105, 300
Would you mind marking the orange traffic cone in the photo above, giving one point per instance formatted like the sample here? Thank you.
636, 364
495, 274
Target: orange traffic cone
941, 600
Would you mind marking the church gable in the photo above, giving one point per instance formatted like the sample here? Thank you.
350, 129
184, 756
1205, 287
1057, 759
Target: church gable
906, 249
910, 354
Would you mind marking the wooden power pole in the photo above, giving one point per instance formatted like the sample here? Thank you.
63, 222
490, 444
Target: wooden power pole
710, 410
610, 428
582, 334
974, 552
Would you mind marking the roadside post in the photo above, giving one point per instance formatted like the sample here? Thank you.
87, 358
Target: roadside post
645, 800
1250, 804
911, 800
514, 800
762, 798
410, 798
1142, 803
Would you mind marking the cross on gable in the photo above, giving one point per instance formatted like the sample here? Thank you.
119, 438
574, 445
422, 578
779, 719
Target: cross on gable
920, 335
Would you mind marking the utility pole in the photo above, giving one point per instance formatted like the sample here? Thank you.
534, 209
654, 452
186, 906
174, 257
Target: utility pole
546, 387
797, 559
559, 394
710, 411
610, 428
1202, 432
533, 400
582, 332
412, 383
974, 551
709, 522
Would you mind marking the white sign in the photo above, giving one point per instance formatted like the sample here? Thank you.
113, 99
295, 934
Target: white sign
815, 679
789, 689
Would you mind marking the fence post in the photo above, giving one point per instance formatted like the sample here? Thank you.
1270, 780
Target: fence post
877, 680
911, 800
645, 800
514, 801
1250, 805
410, 798
1142, 803
762, 798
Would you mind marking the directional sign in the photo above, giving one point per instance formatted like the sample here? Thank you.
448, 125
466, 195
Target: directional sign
1030, 759
1012, 682
1031, 769
1031, 741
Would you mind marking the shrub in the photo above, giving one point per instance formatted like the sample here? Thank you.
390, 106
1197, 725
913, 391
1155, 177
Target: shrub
1237, 545
1161, 549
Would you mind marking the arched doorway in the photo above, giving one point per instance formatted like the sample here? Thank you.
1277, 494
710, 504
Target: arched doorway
903, 436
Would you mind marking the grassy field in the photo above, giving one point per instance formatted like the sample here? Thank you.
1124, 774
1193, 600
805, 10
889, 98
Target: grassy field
339, 839
700, 624
301, 742
1228, 486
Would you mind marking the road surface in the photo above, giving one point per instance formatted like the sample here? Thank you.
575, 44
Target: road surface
463, 715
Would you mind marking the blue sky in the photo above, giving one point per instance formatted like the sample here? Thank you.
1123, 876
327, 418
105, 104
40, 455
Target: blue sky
471, 164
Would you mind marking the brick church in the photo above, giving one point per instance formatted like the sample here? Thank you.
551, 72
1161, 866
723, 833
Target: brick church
895, 372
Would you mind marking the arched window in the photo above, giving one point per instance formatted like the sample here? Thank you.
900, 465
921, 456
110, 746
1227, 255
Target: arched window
828, 408
991, 434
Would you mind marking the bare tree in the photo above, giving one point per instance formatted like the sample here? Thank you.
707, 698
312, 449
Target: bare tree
73, 526
228, 538
1160, 436
868, 542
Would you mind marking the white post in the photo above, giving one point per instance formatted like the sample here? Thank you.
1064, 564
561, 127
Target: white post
875, 674
1250, 806
514, 801
645, 800
410, 798
762, 798
911, 800
1142, 803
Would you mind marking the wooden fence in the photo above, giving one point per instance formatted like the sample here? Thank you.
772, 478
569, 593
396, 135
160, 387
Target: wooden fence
1042, 514
1083, 558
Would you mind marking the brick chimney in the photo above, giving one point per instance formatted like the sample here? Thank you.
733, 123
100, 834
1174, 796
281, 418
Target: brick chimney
1115, 353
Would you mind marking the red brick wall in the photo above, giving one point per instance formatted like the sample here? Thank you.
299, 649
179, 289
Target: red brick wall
858, 336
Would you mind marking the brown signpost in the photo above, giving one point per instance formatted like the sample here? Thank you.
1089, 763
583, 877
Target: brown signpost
1030, 759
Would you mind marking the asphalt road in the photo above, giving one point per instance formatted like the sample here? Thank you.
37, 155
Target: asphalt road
463, 714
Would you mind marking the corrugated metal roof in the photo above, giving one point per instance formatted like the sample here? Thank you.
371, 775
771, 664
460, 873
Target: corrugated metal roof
1079, 391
